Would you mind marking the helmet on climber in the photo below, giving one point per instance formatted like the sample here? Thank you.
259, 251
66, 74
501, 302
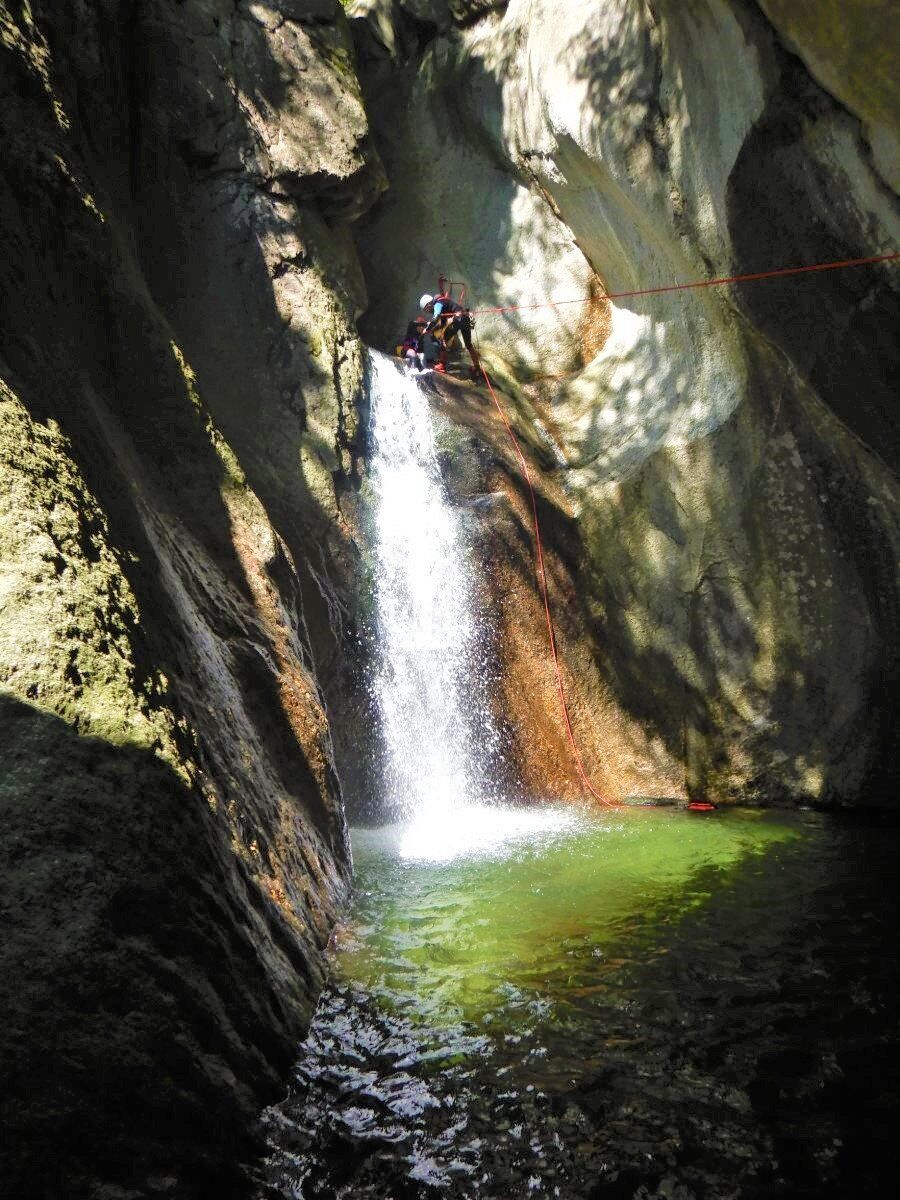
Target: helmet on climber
447, 320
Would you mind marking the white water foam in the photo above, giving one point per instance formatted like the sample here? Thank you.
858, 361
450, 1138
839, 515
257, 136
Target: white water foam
426, 687
484, 830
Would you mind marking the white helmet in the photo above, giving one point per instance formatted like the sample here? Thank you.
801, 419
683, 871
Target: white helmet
425, 300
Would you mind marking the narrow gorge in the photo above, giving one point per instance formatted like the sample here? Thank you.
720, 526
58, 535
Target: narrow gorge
260, 584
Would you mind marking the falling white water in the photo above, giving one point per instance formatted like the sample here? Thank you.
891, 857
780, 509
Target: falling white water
426, 687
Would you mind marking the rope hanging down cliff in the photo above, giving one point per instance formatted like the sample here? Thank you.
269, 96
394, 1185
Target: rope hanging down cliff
542, 574
780, 272
545, 596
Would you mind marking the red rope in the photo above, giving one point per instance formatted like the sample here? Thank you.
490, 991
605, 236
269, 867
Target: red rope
700, 283
542, 576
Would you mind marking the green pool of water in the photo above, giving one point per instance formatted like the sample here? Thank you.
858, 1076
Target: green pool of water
546, 914
645, 1003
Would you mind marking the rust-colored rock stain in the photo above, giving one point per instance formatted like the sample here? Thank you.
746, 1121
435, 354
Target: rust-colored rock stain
618, 757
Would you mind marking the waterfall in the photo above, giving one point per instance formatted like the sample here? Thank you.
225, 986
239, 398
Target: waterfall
427, 684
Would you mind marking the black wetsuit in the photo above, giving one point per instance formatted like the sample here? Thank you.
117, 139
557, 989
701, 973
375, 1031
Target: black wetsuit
454, 319
414, 334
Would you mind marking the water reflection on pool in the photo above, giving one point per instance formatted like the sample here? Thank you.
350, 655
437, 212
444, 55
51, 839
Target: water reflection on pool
635, 1003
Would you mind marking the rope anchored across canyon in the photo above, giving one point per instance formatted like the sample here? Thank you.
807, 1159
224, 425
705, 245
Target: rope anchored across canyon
776, 273
780, 272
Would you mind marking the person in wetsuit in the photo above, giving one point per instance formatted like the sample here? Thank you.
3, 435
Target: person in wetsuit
412, 349
447, 319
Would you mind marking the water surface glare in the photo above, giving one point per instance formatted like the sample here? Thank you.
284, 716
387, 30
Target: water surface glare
644, 1003
476, 831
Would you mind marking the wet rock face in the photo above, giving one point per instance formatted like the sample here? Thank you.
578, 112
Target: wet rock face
722, 452
177, 438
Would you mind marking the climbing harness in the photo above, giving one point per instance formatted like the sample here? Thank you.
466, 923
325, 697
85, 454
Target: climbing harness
452, 320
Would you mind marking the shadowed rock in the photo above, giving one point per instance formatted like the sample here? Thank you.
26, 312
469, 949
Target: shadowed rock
177, 434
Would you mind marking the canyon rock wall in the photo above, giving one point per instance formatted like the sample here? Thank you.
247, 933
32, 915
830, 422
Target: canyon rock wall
194, 216
850, 49
725, 455
178, 431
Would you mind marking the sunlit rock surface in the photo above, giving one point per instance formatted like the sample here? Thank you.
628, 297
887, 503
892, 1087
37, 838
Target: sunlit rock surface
724, 453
